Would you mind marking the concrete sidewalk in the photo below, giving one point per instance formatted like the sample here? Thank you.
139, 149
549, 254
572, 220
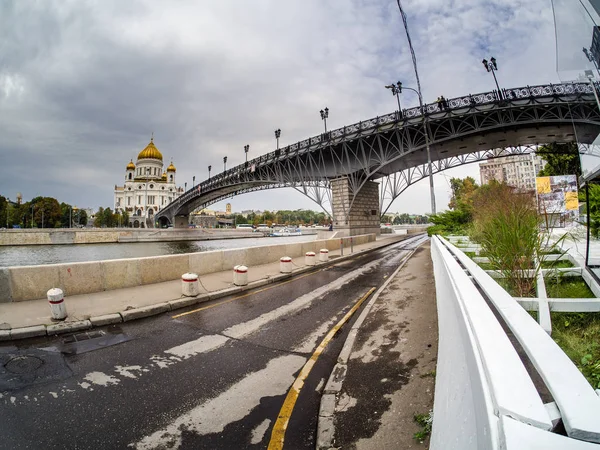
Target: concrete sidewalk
386, 370
25, 319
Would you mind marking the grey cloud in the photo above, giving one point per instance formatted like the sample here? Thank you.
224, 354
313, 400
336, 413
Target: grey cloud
91, 80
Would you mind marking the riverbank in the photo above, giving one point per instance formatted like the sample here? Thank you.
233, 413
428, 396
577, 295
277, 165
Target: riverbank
31, 282
115, 235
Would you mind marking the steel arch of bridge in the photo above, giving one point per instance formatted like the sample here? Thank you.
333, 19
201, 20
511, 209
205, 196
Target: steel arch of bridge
395, 143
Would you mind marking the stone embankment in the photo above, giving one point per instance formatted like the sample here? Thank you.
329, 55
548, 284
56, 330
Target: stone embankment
103, 236
32, 282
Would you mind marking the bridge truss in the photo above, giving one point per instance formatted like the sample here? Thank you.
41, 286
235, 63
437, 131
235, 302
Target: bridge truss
391, 147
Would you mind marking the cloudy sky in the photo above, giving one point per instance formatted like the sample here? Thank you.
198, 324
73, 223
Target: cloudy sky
84, 83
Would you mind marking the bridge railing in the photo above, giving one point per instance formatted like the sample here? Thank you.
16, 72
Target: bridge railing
407, 115
466, 101
484, 395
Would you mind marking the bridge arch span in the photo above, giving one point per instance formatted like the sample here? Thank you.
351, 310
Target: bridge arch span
396, 143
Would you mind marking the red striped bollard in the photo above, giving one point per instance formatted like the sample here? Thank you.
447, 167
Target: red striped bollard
240, 275
189, 284
56, 299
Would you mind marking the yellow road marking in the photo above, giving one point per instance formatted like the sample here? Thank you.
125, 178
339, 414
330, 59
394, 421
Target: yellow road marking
278, 433
242, 296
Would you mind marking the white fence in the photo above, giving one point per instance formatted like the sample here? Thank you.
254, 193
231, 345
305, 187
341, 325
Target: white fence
484, 396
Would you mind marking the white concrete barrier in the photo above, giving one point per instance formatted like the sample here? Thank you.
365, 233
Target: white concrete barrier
189, 285
481, 382
31, 282
240, 275
323, 255
56, 300
285, 264
309, 259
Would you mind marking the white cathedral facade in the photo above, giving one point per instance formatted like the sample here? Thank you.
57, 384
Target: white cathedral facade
147, 189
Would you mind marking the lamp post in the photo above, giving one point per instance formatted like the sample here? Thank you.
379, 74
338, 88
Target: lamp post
491, 66
426, 130
224, 163
396, 90
277, 136
185, 187
324, 116
414, 61
209, 169
194, 181
246, 149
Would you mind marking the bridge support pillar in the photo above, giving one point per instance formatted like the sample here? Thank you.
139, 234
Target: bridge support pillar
355, 213
181, 222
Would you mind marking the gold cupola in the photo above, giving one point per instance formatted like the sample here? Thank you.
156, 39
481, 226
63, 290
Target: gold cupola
150, 152
171, 168
131, 165
164, 176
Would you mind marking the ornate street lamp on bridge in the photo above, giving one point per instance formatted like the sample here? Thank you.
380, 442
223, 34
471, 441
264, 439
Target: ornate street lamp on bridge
209, 169
491, 66
224, 163
277, 135
246, 149
396, 90
324, 116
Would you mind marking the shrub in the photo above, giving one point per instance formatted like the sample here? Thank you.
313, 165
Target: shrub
506, 225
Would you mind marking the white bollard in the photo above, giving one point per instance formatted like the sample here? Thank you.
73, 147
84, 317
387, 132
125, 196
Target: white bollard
56, 299
240, 275
309, 259
189, 284
285, 264
323, 255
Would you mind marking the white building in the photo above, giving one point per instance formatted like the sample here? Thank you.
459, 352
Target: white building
147, 189
518, 170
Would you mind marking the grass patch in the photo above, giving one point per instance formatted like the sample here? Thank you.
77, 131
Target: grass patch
470, 254
425, 421
560, 264
512, 290
553, 251
486, 266
567, 287
578, 334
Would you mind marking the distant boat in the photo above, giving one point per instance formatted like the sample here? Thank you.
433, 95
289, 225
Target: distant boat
287, 232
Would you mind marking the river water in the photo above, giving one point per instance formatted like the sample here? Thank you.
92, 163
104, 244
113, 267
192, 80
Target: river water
29, 255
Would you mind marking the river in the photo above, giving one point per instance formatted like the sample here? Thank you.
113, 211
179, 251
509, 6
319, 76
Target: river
29, 255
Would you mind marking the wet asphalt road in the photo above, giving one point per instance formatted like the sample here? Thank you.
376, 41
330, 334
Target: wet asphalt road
212, 379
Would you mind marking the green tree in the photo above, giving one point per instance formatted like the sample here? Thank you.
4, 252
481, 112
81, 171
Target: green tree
99, 218
462, 193
562, 159
386, 218
108, 218
47, 212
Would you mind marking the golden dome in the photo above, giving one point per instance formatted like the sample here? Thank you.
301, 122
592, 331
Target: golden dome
171, 168
131, 165
150, 152
164, 176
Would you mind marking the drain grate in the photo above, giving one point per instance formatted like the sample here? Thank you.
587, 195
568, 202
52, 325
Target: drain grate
85, 336
21, 365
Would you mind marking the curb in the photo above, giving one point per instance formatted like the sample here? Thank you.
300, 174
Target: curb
173, 304
325, 422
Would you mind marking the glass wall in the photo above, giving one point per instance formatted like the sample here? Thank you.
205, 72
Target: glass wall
577, 26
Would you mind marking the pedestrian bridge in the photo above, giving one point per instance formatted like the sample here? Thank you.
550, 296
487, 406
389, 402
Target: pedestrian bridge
392, 148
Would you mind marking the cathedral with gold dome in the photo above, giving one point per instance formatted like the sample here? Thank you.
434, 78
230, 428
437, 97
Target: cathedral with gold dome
147, 189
